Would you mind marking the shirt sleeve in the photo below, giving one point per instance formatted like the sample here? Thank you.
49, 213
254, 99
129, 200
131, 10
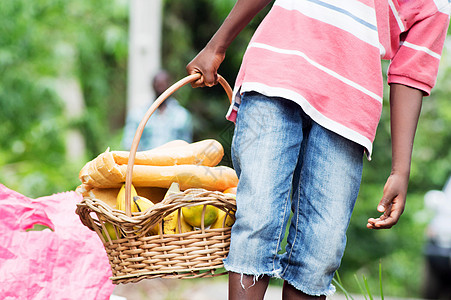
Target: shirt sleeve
417, 39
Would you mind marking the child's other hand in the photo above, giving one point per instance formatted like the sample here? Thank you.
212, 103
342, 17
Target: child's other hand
207, 63
392, 203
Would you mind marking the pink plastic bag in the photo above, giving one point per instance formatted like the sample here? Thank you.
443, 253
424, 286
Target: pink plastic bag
66, 263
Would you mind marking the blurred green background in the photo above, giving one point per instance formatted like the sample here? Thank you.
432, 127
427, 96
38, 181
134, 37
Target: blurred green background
45, 41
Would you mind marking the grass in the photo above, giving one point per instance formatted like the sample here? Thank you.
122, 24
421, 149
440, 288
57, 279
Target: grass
364, 289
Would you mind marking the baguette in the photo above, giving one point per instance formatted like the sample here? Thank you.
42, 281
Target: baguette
104, 164
207, 153
187, 176
100, 174
191, 165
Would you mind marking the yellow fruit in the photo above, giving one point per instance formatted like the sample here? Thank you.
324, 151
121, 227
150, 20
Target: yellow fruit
110, 230
120, 201
219, 223
184, 226
193, 215
173, 189
142, 204
170, 224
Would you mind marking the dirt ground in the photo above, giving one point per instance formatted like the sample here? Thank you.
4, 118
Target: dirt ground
199, 289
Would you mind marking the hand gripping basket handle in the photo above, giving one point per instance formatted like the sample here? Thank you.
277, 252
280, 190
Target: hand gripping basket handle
150, 111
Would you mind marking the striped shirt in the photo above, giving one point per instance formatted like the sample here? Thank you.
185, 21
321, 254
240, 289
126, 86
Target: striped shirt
326, 55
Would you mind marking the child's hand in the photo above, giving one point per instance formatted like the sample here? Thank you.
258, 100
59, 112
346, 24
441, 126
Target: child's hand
207, 63
392, 203
208, 60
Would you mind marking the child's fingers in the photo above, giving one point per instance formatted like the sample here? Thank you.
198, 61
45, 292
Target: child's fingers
197, 83
210, 78
382, 223
194, 70
207, 79
389, 219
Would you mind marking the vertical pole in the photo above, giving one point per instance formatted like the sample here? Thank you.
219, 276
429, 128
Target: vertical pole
143, 59
144, 50
69, 90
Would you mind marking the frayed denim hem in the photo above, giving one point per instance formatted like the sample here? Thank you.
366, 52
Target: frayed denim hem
277, 274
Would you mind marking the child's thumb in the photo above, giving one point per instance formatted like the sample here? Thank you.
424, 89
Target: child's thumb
384, 203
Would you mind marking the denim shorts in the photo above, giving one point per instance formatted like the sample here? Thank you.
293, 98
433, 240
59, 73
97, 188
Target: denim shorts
288, 163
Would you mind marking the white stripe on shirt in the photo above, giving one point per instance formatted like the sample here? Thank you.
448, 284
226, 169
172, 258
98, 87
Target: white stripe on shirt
355, 8
396, 14
421, 48
309, 110
349, 15
319, 66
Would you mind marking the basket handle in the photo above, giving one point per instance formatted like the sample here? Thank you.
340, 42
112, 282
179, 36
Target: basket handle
150, 111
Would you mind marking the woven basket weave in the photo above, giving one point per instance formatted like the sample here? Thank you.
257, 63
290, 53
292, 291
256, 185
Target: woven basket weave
136, 255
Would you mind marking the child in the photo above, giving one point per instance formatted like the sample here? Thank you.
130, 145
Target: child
308, 99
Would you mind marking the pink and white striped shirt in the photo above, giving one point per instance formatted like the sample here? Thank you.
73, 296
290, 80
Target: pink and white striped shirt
326, 55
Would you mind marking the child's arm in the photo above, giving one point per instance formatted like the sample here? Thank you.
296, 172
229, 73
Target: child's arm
208, 60
405, 107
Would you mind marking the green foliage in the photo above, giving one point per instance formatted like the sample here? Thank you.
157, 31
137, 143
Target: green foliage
432, 155
401, 247
44, 40
41, 42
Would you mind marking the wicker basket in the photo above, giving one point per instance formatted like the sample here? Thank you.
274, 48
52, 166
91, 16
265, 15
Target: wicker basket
134, 254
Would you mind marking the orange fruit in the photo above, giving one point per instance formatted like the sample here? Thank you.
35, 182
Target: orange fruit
231, 190
193, 215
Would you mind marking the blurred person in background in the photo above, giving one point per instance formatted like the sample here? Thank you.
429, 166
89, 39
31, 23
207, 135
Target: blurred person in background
170, 121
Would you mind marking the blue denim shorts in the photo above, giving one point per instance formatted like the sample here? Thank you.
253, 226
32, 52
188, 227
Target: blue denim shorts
288, 163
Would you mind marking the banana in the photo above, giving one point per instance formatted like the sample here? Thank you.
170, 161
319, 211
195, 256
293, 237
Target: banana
120, 201
138, 204
143, 204
120, 204
184, 226
173, 189
219, 223
170, 223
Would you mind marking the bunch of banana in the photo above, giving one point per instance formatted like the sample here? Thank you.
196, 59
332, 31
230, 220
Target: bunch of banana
138, 204
120, 200
170, 223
